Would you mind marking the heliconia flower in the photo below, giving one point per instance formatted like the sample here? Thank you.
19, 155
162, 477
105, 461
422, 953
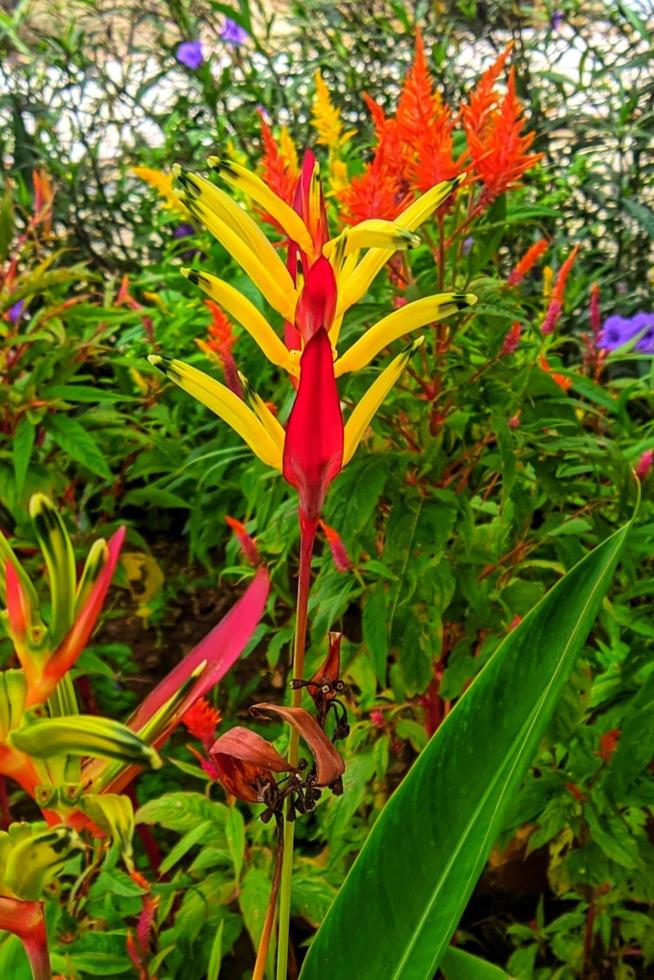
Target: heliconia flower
499, 150
244, 763
644, 464
189, 54
46, 654
342, 560
329, 764
527, 262
512, 339
247, 545
322, 278
202, 720
232, 33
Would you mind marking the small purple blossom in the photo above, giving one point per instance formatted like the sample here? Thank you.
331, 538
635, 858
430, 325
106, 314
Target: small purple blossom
232, 33
619, 330
467, 245
15, 312
189, 53
557, 20
183, 230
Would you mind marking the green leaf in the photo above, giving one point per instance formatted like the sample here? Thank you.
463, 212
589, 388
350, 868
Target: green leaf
21, 451
182, 812
78, 444
457, 964
189, 840
426, 851
216, 955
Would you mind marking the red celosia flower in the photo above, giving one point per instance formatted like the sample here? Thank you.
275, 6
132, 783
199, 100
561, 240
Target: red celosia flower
608, 744
499, 151
512, 339
341, 558
201, 720
552, 317
644, 464
247, 545
527, 262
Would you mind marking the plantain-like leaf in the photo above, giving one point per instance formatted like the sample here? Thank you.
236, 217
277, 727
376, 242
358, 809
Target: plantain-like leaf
84, 735
458, 964
426, 851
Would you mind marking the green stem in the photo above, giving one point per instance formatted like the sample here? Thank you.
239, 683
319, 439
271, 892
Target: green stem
307, 537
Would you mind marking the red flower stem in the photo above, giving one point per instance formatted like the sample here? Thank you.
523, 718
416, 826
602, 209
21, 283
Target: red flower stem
264, 941
307, 538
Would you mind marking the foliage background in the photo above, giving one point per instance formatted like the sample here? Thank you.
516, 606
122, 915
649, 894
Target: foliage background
89, 90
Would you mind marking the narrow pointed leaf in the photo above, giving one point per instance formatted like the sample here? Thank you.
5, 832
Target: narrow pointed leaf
457, 964
426, 851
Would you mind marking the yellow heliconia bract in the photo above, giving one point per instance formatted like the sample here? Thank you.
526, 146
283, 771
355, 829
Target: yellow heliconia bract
351, 276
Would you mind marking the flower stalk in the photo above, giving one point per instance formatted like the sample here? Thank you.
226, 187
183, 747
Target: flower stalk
307, 538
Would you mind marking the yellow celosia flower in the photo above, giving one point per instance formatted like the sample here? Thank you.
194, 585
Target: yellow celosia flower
163, 184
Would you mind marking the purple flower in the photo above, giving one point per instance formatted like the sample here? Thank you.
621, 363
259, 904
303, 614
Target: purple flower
619, 330
233, 33
183, 230
467, 245
15, 312
557, 20
189, 53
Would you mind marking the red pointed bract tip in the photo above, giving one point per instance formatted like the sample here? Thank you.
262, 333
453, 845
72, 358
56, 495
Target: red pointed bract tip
329, 671
317, 303
312, 211
313, 447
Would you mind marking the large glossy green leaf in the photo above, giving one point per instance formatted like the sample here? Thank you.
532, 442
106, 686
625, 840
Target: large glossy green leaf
405, 893
457, 964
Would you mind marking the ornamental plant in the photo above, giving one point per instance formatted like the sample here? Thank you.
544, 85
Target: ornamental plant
76, 766
410, 183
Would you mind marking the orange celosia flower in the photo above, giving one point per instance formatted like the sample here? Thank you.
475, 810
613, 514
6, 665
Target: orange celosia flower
527, 262
564, 272
562, 381
341, 559
483, 99
424, 125
43, 197
279, 164
219, 346
499, 151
